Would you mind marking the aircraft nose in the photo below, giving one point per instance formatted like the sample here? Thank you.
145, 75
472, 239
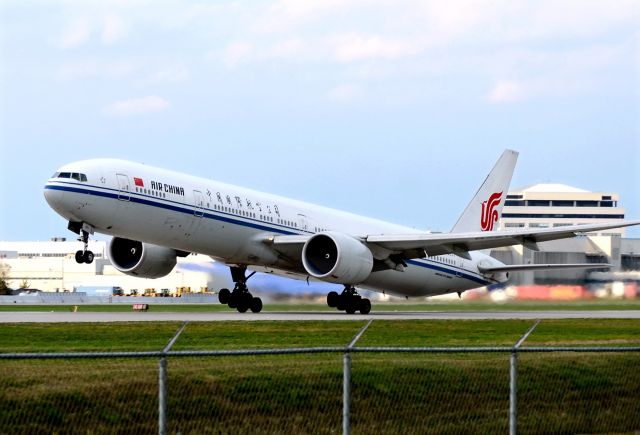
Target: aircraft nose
54, 197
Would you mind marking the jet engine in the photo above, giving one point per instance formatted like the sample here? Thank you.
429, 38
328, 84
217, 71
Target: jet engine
337, 257
140, 259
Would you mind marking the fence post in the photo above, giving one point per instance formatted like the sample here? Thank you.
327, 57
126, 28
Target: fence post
346, 382
162, 383
162, 397
513, 393
513, 382
346, 393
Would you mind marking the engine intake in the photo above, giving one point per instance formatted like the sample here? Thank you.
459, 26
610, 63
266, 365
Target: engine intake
337, 257
141, 259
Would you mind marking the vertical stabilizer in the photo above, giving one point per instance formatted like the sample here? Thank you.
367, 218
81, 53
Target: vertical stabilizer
485, 208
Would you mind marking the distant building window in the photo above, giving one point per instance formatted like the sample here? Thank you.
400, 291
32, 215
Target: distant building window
606, 203
606, 197
561, 216
514, 225
515, 203
562, 203
586, 203
562, 224
537, 203
514, 196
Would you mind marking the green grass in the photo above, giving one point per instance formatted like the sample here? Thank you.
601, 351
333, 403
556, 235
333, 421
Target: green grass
391, 393
153, 336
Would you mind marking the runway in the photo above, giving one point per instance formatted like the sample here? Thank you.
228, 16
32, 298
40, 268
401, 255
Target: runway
80, 317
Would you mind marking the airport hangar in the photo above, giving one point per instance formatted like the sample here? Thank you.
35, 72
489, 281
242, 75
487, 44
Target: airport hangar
50, 266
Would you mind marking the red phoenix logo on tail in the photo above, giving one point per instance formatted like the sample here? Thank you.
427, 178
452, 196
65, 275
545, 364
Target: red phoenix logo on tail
489, 213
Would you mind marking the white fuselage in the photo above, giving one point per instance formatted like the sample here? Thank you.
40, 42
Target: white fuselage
230, 223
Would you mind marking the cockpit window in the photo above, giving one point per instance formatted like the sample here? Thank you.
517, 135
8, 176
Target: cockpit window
73, 175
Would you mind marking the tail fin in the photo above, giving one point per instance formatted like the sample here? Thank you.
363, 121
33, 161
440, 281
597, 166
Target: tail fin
485, 208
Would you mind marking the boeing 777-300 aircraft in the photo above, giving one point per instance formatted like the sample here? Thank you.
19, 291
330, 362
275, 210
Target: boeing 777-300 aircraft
156, 215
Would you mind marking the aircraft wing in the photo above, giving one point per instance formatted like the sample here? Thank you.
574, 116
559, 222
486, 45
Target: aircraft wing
461, 243
419, 245
525, 267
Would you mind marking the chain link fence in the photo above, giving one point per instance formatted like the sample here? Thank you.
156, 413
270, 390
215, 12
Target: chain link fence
346, 389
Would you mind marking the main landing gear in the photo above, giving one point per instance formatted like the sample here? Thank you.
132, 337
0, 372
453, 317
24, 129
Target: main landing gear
349, 300
240, 298
84, 256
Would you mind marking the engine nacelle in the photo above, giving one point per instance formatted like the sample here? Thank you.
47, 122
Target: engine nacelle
141, 259
337, 257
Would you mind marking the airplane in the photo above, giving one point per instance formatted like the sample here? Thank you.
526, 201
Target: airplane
156, 215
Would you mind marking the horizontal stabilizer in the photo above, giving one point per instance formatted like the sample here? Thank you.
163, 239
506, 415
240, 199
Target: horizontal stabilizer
525, 267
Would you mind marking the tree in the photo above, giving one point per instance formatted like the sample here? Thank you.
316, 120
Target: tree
24, 284
4, 286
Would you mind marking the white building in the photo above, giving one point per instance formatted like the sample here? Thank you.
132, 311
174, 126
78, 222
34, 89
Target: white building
556, 205
51, 266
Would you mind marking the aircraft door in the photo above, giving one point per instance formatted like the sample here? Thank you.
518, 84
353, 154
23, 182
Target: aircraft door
303, 222
198, 201
123, 187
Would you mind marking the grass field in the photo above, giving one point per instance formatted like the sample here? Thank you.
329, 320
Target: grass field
391, 393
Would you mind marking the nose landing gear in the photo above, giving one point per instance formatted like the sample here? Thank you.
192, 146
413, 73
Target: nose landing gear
349, 301
240, 298
84, 255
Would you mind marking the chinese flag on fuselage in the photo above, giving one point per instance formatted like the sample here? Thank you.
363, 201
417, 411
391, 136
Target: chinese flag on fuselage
138, 182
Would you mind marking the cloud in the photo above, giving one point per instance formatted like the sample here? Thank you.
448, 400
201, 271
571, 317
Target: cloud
236, 52
76, 34
580, 71
113, 30
507, 91
96, 68
290, 16
344, 93
136, 106
289, 49
354, 47
175, 74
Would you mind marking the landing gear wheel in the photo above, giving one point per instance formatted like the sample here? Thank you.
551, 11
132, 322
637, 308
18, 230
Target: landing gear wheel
349, 301
244, 301
84, 255
224, 295
365, 306
88, 257
332, 299
233, 300
242, 307
79, 257
256, 305
240, 298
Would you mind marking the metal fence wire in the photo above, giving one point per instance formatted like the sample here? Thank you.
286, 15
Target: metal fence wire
324, 390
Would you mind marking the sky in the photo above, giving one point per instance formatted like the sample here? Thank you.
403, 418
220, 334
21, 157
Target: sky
395, 110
